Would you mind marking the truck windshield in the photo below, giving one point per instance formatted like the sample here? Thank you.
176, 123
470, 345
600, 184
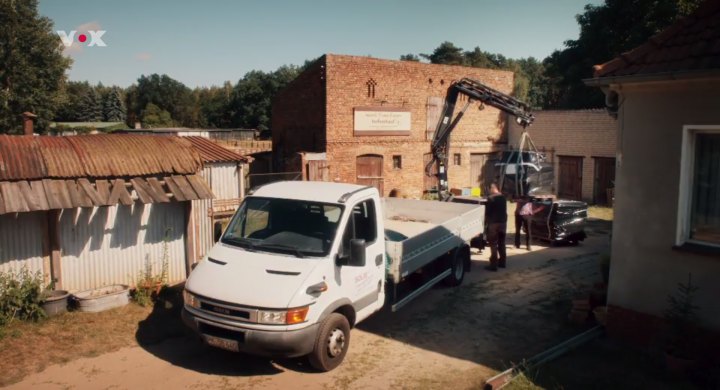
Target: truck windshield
295, 227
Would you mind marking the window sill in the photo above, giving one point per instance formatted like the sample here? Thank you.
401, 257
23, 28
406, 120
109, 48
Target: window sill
700, 249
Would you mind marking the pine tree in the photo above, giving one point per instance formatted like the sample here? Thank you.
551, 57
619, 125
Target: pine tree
91, 107
113, 108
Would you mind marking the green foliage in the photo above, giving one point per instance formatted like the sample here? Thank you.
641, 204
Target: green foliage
153, 117
113, 106
148, 282
409, 57
91, 109
20, 296
32, 66
606, 31
682, 318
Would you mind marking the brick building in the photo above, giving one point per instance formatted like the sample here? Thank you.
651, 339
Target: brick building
581, 144
370, 121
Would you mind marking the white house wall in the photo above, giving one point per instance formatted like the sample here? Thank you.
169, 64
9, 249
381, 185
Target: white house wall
21, 237
109, 245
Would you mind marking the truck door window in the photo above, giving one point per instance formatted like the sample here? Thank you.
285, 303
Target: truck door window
361, 224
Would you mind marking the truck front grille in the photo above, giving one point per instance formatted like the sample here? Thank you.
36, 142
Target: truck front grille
225, 311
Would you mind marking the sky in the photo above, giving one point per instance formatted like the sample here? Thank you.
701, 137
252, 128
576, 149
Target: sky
204, 43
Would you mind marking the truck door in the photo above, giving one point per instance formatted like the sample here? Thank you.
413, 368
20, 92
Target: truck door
364, 284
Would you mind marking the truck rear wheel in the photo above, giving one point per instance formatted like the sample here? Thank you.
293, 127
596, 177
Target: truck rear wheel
332, 343
457, 267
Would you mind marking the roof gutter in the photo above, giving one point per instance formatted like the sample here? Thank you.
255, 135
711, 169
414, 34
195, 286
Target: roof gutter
644, 78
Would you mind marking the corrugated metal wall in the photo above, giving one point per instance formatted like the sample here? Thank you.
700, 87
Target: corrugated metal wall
21, 237
224, 181
109, 245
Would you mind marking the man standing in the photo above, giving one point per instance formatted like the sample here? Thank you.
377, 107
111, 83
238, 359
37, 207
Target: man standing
523, 218
496, 221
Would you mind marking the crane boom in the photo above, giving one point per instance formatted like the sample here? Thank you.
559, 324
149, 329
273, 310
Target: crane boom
475, 91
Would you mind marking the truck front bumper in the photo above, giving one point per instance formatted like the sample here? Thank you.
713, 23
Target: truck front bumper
291, 343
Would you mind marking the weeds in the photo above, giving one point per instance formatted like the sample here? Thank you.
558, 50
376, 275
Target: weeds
20, 296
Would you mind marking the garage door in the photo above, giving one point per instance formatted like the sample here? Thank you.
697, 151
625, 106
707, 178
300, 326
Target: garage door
570, 179
109, 245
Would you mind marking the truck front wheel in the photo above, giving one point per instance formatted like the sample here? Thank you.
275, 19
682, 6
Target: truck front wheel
332, 343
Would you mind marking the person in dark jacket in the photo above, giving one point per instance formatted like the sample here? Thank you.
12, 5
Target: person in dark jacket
496, 221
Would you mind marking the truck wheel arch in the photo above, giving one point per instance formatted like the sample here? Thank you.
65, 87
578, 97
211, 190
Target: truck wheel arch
342, 306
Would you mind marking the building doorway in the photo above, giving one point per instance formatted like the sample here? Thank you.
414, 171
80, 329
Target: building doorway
570, 178
369, 169
604, 179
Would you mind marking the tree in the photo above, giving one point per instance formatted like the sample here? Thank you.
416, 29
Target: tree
91, 108
113, 107
446, 53
606, 31
169, 95
154, 117
409, 57
250, 104
32, 66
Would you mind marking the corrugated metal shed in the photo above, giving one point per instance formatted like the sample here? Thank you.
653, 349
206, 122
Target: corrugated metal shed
95, 156
211, 152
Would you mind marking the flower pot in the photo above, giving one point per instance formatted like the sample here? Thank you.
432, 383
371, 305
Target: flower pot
103, 298
55, 303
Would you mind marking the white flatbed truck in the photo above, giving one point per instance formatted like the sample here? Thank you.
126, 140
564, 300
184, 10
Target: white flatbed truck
301, 263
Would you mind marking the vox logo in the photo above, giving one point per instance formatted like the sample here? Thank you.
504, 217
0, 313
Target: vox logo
93, 38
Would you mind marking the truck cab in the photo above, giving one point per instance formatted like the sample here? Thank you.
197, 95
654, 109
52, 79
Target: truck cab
301, 263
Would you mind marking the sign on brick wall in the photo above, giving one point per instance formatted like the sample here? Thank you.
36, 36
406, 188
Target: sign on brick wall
381, 121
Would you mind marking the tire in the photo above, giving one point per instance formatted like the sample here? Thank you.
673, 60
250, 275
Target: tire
332, 343
457, 268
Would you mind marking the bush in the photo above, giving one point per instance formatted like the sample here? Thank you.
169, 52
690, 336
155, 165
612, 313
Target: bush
20, 296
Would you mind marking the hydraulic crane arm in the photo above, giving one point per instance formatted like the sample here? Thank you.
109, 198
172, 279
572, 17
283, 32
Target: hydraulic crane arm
475, 91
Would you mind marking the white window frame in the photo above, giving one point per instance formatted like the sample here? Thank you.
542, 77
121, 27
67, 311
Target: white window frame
687, 173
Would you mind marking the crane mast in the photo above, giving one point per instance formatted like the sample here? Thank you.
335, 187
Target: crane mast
475, 91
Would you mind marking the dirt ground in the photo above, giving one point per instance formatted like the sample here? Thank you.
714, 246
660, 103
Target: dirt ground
452, 338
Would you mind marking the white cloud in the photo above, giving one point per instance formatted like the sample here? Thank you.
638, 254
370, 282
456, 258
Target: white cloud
143, 56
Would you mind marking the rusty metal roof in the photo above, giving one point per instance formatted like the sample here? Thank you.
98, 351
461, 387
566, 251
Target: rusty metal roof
690, 44
211, 152
95, 156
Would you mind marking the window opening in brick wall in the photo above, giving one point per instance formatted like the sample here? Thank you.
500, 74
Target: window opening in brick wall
457, 159
397, 162
371, 88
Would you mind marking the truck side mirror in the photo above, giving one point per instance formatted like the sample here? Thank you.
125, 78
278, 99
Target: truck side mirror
357, 252
356, 257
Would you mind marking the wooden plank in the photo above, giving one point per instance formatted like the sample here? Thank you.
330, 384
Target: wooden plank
185, 187
77, 195
30, 197
119, 193
38, 188
190, 257
2, 204
54, 244
60, 188
52, 198
103, 188
142, 189
91, 192
158, 192
175, 189
201, 187
14, 201
47, 267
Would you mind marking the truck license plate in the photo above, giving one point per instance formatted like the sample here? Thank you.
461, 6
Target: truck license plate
230, 345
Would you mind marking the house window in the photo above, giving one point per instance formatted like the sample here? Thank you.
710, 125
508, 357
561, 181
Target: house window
371, 83
397, 162
699, 215
457, 159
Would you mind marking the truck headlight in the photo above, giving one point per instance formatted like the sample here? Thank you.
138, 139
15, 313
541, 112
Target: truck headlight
190, 299
284, 317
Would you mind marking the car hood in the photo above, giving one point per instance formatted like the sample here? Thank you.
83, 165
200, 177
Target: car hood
250, 278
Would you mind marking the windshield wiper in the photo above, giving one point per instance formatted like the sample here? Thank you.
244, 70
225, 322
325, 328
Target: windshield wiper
289, 248
240, 241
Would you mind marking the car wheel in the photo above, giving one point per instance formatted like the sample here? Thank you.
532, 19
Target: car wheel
457, 268
332, 343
